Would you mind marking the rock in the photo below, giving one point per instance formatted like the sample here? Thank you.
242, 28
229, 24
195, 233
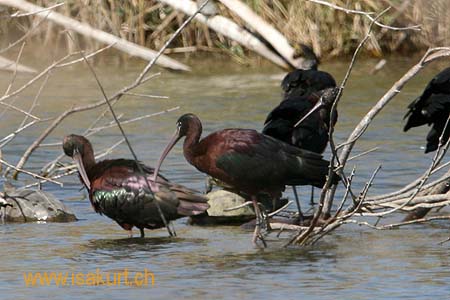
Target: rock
220, 200
32, 206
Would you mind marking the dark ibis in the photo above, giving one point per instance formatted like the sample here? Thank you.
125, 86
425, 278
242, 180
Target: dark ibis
314, 112
312, 133
432, 108
247, 160
118, 190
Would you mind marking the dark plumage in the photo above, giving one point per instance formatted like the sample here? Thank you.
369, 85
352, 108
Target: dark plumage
247, 160
432, 108
117, 190
302, 92
299, 83
312, 133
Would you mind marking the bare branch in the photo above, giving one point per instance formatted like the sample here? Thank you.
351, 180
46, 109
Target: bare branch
367, 15
18, 15
29, 173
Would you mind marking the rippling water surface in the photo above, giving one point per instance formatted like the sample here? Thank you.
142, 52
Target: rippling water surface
220, 262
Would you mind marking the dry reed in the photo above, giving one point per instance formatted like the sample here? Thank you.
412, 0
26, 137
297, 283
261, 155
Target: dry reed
328, 31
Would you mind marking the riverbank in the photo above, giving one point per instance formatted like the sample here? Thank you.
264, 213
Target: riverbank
330, 32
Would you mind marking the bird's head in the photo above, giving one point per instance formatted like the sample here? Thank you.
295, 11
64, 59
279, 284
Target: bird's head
187, 124
327, 97
79, 148
305, 52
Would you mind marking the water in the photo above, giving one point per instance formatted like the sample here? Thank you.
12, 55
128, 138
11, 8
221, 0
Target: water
220, 262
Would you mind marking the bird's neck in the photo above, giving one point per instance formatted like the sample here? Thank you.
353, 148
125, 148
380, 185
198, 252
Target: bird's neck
191, 142
88, 159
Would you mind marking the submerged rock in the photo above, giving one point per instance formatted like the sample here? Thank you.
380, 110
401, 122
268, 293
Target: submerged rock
220, 200
32, 206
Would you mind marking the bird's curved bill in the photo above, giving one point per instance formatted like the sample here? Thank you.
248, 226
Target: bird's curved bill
175, 138
79, 162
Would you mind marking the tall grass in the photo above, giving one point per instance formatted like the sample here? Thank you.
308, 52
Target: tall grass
329, 32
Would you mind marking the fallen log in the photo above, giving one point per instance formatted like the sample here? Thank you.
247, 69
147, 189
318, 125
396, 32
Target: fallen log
267, 31
101, 36
229, 29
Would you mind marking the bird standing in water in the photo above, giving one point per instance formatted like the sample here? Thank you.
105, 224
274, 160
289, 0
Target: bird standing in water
118, 190
432, 108
303, 91
249, 161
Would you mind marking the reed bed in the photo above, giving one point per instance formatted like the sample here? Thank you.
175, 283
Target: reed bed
330, 32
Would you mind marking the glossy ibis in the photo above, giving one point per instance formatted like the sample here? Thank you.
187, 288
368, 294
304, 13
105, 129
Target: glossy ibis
118, 190
312, 133
249, 161
432, 107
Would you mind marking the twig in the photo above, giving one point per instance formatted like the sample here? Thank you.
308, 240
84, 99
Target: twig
395, 225
413, 184
146, 96
29, 173
367, 15
444, 241
247, 203
15, 69
363, 153
280, 209
25, 36
87, 56
17, 15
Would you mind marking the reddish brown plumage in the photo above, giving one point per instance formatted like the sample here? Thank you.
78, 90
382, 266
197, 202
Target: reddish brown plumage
119, 188
249, 161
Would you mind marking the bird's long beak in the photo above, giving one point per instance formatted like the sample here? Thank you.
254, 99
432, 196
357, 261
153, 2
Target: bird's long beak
175, 138
79, 162
315, 107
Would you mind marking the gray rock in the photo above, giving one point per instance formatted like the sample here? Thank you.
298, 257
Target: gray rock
32, 206
220, 200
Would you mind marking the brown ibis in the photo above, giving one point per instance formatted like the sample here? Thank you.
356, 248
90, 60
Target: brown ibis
249, 161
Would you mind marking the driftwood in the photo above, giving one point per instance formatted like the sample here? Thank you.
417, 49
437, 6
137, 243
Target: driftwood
101, 36
267, 31
229, 29
12, 66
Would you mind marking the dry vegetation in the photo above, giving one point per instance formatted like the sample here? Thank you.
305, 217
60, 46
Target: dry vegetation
329, 31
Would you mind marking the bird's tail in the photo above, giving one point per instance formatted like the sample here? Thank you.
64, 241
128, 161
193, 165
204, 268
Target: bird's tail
312, 170
191, 202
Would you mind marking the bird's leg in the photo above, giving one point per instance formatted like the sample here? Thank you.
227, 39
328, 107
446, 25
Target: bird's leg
264, 217
208, 184
311, 201
142, 232
300, 214
257, 233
